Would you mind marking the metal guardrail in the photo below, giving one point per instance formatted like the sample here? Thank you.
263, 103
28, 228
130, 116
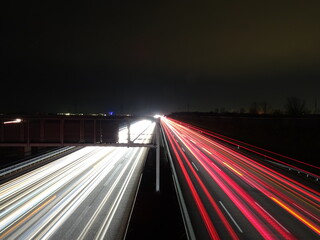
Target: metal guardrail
266, 154
269, 156
31, 161
297, 170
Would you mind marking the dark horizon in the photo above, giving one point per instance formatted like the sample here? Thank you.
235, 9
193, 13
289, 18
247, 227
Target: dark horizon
145, 57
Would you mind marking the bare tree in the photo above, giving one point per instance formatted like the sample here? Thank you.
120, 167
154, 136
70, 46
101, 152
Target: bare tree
265, 108
260, 108
254, 108
295, 106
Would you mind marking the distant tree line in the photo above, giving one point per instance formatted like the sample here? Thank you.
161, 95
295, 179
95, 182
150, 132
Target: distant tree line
294, 106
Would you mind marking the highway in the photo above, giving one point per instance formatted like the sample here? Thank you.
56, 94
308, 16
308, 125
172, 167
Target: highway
87, 194
229, 195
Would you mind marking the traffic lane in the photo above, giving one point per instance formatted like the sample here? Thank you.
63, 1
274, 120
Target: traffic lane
259, 205
245, 210
240, 224
121, 218
34, 179
306, 198
105, 212
57, 204
285, 221
27, 198
275, 157
312, 225
20, 195
228, 151
304, 203
215, 146
50, 194
199, 215
72, 229
267, 182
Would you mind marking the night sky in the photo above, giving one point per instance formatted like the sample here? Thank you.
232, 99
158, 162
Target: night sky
157, 56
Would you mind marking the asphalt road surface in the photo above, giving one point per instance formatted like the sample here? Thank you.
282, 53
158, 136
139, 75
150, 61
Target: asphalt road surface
87, 194
232, 196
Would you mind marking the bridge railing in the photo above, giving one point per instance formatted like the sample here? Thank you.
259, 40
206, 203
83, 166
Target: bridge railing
57, 130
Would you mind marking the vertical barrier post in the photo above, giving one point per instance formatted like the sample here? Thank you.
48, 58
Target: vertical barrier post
158, 156
61, 131
129, 137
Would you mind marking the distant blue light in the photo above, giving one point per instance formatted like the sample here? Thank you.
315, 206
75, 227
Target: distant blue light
110, 113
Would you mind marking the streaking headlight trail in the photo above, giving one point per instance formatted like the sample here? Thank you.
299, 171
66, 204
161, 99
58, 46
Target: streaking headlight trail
79, 196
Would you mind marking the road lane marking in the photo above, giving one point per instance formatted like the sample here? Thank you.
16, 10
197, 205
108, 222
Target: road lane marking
271, 217
136, 154
195, 166
297, 215
109, 217
234, 221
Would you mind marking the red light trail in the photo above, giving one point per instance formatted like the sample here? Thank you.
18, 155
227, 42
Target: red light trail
247, 146
263, 201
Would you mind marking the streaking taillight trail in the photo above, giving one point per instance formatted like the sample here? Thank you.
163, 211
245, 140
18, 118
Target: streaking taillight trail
234, 176
178, 152
249, 147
